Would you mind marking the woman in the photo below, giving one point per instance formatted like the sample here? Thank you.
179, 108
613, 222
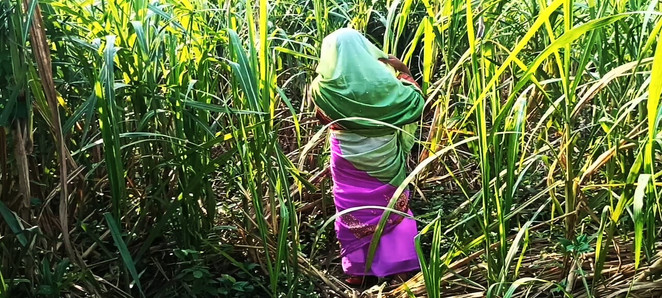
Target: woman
368, 158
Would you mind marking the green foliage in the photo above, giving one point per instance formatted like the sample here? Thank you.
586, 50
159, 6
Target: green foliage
233, 288
54, 282
184, 121
578, 246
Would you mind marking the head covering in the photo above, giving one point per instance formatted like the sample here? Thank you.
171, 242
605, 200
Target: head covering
352, 82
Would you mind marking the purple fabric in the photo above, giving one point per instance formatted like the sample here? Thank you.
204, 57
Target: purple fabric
396, 252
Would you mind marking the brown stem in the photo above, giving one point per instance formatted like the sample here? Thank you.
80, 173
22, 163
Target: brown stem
23, 201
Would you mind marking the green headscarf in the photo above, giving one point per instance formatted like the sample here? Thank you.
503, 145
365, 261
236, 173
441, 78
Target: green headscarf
352, 82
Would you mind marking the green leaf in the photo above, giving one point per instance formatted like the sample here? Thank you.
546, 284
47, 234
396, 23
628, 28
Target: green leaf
639, 216
218, 108
124, 251
12, 221
141, 39
28, 20
109, 119
197, 274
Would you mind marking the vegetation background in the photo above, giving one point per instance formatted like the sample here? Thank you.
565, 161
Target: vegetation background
168, 149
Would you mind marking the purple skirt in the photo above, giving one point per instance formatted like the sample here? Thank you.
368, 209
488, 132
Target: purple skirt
396, 252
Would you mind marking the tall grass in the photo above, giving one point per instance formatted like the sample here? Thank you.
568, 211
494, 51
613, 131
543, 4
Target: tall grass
181, 121
501, 138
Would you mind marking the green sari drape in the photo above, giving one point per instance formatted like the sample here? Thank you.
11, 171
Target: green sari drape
352, 82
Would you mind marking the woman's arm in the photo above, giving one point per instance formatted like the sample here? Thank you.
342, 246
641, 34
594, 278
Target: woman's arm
405, 74
397, 64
